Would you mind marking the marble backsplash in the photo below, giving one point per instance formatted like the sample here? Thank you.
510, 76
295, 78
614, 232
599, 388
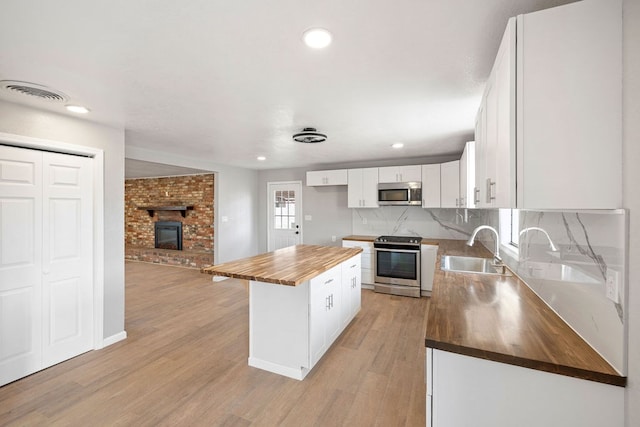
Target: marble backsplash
591, 246
416, 221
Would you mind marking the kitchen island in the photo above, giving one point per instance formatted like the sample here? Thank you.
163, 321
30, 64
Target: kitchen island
497, 350
300, 300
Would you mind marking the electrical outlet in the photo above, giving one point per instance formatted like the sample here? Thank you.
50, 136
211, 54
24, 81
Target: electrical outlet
333, 238
308, 218
612, 285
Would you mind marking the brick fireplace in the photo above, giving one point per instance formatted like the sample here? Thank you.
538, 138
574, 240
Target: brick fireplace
184, 202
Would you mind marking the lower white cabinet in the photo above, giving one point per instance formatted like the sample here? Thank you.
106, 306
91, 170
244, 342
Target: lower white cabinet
367, 260
291, 327
469, 391
351, 290
428, 255
325, 321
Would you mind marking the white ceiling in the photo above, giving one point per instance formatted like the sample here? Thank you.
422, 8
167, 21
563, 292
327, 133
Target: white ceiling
232, 80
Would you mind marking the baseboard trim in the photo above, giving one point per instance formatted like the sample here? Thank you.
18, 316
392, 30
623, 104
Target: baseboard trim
114, 339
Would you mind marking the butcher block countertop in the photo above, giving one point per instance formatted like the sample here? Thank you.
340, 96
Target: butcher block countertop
500, 318
288, 266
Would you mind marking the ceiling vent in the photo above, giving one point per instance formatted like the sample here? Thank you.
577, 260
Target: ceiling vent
309, 136
34, 90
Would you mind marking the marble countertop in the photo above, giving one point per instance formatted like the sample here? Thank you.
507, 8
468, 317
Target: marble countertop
288, 266
500, 318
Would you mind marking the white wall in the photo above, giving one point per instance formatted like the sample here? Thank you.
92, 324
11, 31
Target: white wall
631, 196
26, 121
235, 197
326, 205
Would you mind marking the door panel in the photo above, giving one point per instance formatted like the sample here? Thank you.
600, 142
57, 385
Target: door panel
67, 266
20, 263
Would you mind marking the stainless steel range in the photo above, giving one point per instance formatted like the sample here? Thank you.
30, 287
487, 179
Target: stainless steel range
397, 265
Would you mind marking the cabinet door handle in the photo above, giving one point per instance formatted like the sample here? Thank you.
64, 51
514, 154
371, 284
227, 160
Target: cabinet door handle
328, 281
327, 303
476, 195
490, 188
353, 266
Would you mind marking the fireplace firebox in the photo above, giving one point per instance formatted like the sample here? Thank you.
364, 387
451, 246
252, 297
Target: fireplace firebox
168, 235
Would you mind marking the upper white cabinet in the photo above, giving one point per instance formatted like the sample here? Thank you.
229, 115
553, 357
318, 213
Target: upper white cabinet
400, 173
362, 191
550, 120
431, 186
495, 145
330, 177
467, 175
450, 184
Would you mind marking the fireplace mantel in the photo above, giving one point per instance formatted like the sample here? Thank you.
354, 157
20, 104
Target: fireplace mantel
181, 208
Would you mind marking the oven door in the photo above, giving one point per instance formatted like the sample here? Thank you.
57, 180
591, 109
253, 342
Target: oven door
398, 267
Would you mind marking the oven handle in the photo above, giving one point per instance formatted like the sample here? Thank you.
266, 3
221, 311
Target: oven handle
413, 251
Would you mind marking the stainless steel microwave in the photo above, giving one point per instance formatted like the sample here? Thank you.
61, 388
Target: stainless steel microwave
400, 194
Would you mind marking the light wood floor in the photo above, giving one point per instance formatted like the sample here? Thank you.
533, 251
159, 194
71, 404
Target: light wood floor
185, 363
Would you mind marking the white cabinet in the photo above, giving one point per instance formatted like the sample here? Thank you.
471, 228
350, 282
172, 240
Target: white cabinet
467, 175
499, 394
325, 320
428, 254
431, 186
400, 173
366, 261
351, 290
450, 184
495, 160
362, 191
329, 177
549, 131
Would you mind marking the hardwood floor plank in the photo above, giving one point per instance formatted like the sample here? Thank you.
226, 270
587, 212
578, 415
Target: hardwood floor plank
185, 363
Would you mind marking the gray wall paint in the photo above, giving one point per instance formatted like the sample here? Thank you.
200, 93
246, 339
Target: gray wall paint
235, 197
34, 123
326, 205
631, 196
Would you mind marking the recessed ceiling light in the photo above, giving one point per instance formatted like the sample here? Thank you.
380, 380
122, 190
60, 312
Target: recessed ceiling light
77, 109
261, 158
397, 145
317, 38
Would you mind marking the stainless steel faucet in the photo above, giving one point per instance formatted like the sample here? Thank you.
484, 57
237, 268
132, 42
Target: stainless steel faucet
525, 230
496, 255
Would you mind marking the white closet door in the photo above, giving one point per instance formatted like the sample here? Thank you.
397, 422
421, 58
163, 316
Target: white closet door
20, 263
67, 284
46, 260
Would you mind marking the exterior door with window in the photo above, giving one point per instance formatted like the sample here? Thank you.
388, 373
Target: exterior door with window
285, 214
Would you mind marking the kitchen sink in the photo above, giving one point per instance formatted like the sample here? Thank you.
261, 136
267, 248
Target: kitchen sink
554, 271
465, 264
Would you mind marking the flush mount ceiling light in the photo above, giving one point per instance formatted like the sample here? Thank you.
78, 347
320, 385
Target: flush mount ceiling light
397, 145
317, 38
77, 109
309, 136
